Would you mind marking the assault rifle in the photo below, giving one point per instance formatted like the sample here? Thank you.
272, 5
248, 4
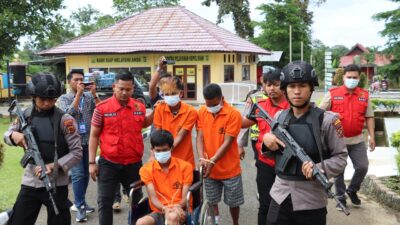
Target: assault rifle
293, 149
33, 153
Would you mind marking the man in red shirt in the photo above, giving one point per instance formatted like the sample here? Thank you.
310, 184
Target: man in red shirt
117, 124
275, 102
353, 105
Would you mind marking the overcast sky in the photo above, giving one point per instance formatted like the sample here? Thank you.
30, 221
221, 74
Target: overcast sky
336, 22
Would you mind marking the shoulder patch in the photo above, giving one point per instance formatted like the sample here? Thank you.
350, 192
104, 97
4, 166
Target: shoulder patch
338, 127
69, 125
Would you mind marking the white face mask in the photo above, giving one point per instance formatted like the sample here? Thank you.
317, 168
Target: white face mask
215, 109
351, 83
162, 157
172, 100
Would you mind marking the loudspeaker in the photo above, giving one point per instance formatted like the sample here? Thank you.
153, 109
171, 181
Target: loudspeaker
19, 79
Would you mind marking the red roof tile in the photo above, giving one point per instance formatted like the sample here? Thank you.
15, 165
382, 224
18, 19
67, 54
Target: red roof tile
358, 49
168, 29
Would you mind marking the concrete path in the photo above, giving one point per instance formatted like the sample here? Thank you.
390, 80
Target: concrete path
371, 212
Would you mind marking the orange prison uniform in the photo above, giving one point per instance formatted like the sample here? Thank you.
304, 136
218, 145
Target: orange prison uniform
185, 119
169, 185
228, 121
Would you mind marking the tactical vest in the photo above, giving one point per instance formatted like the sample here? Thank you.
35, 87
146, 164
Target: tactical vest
351, 108
42, 125
254, 130
306, 132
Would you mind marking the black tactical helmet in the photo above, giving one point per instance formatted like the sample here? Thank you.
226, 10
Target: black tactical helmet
298, 71
44, 85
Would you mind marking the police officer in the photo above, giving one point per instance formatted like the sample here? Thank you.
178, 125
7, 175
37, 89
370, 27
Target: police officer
297, 198
354, 108
254, 130
60, 147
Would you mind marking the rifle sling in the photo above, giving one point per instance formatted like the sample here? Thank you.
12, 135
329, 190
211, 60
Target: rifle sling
315, 122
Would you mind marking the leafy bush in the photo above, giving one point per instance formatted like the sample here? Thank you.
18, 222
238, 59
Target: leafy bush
395, 139
363, 80
389, 104
338, 78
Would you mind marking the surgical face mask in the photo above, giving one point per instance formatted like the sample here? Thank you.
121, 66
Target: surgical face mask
162, 157
351, 83
172, 100
215, 109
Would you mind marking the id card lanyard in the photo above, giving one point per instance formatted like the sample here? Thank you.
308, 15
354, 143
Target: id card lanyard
81, 125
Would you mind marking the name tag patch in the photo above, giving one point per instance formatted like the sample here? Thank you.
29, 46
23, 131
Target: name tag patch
338, 98
362, 99
110, 114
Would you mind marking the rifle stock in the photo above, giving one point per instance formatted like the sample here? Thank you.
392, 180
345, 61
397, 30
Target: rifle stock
32, 154
293, 149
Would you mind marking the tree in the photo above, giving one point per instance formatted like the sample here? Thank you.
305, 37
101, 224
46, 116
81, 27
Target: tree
275, 30
19, 18
392, 32
129, 7
337, 52
318, 58
240, 10
62, 33
88, 19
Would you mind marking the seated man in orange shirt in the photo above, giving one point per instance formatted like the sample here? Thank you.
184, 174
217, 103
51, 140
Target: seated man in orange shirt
218, 127
167, 181
178, 118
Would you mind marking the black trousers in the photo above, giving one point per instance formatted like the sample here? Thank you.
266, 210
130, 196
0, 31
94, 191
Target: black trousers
110, 175
265, 179
284, 215
30, 200
253, 146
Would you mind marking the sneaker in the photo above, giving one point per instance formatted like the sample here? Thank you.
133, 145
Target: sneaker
338, 206
126, 198
81, 215
116, 206
354, 198
4, 217
89, 209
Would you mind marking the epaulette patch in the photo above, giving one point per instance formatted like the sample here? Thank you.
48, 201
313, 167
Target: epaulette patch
338, 127
69, 125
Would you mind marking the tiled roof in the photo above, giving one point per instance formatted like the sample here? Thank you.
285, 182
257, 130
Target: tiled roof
380, 60
167, 29
358, 46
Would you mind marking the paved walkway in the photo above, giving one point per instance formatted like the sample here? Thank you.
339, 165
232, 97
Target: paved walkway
371, 212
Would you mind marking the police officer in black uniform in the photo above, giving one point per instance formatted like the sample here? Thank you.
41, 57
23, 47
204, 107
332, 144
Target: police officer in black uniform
55, 132
297, 198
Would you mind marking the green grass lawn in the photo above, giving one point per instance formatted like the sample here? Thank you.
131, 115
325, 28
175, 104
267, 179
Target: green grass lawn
10, 172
